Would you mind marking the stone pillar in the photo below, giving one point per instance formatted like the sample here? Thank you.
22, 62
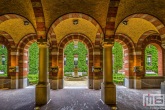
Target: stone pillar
54, 80
138, 77
43, 86
163, 87
108, 88
97, 78
13, 70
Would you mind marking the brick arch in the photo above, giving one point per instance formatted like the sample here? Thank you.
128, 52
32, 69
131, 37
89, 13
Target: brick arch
152, 19
128, 47
111, 18
72, 37
144, 36
22, 48
9, 38
11, 16
40, 19
156, 41
51, 34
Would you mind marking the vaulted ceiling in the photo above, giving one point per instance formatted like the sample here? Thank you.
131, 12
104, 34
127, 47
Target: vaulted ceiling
96, 9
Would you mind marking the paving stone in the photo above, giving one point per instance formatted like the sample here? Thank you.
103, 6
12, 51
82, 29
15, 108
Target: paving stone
73, 99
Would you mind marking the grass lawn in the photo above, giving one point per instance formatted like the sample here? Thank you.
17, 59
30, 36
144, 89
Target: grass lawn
33, 78
3, 74
152, 74
118, 78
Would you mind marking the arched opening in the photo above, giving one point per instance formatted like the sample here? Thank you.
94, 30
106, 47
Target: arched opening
118, 63
33, 63
153, 60
3, 60
71, 38
75, 65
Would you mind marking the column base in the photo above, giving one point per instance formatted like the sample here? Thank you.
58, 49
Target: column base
108, 94
42, 94
90, 83
97, 84
129, 82
163, 87
14, 83
60, 83
23, 82
54, 84
137, 83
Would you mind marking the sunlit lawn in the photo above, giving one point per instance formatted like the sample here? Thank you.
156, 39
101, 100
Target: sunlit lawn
33, 78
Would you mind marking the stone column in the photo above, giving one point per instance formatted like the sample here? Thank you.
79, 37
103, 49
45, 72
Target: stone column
108, 88
14, 69
43, 86
97, 78
138, 71
54, 81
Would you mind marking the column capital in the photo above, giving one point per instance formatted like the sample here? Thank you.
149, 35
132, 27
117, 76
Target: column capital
42, 41
108, 42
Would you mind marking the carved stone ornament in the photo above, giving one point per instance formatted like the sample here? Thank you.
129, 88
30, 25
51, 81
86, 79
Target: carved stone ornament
41, 41
54, 69
13, 69
108, 41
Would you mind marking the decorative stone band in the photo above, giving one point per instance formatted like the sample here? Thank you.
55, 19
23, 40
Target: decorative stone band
13, 69
96, 69
138, 70
108, 41
54, 69
41, 41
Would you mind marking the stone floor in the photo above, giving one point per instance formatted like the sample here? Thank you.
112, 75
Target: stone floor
73, 99
75, 84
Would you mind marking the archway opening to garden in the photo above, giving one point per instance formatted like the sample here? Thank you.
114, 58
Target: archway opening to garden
33, 63
153, 60
75, 65
118, 63
3, 60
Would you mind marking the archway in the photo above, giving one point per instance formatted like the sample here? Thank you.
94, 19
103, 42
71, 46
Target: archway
75, 65
23, 47
118, 63
3, 60
62, 44
151, 60
33, 63
128, 56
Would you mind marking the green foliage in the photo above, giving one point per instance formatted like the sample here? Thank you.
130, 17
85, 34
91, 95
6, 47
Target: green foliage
33, 78
152, 50
118, 78
118, 57
81, 51
33, 58
152, 74
3, 51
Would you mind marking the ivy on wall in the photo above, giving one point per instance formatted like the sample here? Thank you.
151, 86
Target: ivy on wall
3, 51
151, 51
33, 58
117, 57
70, 51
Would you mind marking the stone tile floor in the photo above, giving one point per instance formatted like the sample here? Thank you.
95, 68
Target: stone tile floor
73, 99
